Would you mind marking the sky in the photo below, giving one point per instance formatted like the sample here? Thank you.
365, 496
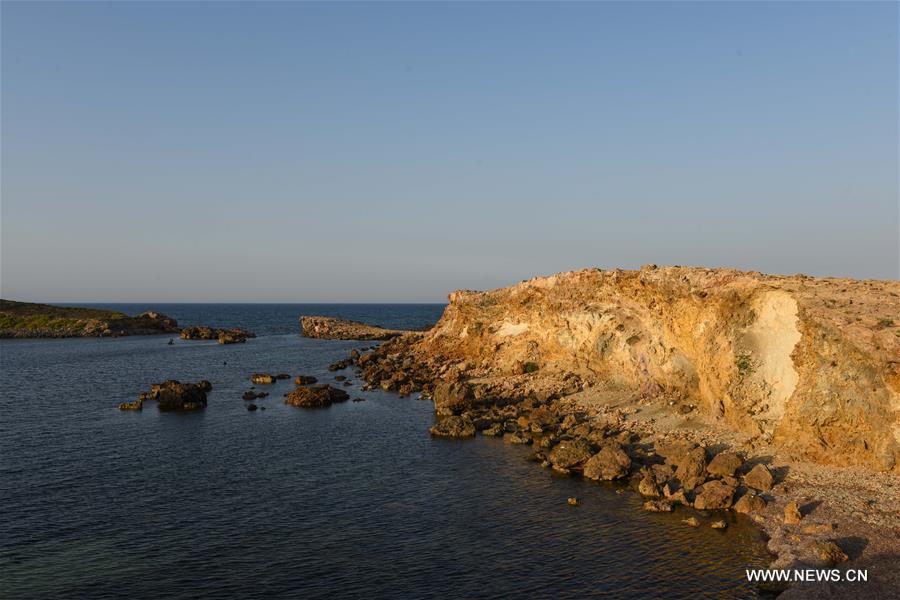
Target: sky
394, 152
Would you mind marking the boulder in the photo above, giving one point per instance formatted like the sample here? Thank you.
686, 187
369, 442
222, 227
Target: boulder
452, 397
174, 395
251, 407
572, 501
648, 486
792, 514
305, 380
134, 405
724, 464
720, 524
204, 385
692, 521
828, 552
453, 426
570, 453
262, 378
543, 417
282, 376
714, 495
608, 464
249, 396
691, 465
318, 396
759, 478
750, 503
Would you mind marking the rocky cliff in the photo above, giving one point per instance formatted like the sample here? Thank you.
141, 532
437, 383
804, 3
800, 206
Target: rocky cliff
811, 365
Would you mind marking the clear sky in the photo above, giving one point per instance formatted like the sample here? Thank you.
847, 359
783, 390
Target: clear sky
304, 152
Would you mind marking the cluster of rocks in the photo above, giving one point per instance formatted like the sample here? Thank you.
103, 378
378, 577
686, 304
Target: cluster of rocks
315, 396
173, 395
235, 335
390, 367
667, 474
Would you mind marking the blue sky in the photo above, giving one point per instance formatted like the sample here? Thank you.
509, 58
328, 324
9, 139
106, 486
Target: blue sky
395, 152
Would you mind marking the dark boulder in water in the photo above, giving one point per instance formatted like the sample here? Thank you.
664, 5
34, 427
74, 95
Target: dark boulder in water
305, 380
174, 395
318, 396
453, 427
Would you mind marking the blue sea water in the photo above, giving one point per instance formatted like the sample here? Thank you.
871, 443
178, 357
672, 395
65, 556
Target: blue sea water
353, 501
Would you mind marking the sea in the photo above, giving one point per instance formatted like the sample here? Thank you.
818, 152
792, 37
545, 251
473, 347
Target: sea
353, 501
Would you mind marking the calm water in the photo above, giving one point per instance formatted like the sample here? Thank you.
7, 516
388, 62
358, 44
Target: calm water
352, 501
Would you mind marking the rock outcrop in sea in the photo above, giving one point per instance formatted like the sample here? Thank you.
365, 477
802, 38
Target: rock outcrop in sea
235, 335
339, 329
172, 395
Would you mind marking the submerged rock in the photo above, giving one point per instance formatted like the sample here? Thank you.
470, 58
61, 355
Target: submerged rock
305, 380
658, 506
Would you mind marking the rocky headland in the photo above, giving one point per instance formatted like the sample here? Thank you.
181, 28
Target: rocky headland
713, 390
29, 320
328, 328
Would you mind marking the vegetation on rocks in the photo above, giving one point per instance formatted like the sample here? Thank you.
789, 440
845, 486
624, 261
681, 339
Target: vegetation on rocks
29, 320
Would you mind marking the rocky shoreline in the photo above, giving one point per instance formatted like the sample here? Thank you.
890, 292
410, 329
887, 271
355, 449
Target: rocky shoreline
691, 386
810, 513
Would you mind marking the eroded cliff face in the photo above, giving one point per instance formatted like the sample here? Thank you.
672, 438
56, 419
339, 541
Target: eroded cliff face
811, 364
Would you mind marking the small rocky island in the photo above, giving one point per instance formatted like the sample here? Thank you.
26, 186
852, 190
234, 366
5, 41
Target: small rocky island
29, 320
328, 328
235, 335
